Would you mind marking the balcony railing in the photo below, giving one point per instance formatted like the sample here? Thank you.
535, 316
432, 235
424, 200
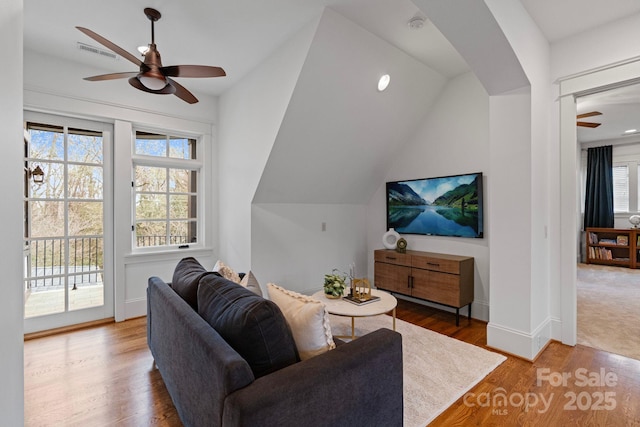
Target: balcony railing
151, 241
45, 262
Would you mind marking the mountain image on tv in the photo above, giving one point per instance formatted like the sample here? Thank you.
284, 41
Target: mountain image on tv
400, 194
446, 206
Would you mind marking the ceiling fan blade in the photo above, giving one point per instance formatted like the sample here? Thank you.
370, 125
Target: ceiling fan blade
588, 124
589, 114
111, 76
192, 71
117, 49
182, 92
167, 90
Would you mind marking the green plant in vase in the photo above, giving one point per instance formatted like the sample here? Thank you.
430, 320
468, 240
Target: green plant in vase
334, 284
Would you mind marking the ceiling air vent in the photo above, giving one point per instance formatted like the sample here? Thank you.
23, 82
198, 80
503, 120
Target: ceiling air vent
97, 51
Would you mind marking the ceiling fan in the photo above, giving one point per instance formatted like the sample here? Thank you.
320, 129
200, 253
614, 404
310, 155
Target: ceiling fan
153, 77
588, 124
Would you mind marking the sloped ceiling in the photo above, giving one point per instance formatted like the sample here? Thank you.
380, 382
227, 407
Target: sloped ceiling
472, 29
339, 132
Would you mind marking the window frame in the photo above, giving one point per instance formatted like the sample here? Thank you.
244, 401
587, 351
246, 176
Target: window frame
633, 187
629, 167
196, 164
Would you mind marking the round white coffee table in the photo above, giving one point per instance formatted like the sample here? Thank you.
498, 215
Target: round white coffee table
387, 303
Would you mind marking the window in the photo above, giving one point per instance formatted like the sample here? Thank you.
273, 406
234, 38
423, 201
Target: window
626, 185
166, 171
621, 188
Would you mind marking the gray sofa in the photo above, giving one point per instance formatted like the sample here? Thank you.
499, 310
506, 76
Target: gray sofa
243, 370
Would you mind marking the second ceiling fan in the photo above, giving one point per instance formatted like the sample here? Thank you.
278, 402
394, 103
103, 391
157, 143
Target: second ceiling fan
588, 124
153, 77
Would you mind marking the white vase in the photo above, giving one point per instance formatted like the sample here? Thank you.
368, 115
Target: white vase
390, 238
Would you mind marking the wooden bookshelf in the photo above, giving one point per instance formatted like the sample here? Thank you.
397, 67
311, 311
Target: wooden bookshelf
612, 246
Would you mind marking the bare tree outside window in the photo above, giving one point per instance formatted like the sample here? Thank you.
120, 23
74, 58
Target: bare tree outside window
165, 190
63, 218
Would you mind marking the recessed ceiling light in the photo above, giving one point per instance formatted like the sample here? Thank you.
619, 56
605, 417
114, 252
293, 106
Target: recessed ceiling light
631, 131
383, 82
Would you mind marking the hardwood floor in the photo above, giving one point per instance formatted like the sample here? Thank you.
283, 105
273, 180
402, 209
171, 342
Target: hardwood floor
100, 376
104, 376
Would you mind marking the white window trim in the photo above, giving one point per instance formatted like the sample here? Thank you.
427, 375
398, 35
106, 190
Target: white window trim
630, 167
170, 162
632, 163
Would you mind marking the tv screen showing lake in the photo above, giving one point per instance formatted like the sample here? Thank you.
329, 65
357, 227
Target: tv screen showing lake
433, 220
444, 206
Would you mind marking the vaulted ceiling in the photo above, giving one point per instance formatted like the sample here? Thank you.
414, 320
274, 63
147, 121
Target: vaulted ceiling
339, 131
238, 35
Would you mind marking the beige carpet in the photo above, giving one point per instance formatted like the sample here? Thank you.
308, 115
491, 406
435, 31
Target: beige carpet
609, 309
437, 369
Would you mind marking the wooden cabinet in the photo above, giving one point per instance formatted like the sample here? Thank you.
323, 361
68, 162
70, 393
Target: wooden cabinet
394, 278
612, 246
440, 278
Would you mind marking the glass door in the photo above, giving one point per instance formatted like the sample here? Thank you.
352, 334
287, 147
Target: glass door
66, 257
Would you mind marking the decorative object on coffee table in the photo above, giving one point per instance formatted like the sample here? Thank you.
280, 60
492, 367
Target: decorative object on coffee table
334, 284
401, 245
360, 292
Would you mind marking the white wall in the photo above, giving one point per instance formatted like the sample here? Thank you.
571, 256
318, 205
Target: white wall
598, 47
510, 200
529, 151
11, 307
250, 116
290, 247
510, 57
452, 139
334, 143
339, 130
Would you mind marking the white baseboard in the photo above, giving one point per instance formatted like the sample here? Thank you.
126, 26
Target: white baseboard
556, 329
135, 308
526, 345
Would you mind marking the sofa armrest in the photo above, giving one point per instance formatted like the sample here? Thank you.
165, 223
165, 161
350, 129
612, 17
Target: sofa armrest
357, 384
197, 366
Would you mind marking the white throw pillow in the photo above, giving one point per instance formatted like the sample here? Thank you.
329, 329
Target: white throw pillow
308, 319
226, 272
250, 282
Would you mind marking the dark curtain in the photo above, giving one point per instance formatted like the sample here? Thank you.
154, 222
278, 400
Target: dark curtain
598, 205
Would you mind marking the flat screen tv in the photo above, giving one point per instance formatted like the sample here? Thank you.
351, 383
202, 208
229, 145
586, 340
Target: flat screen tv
442, 206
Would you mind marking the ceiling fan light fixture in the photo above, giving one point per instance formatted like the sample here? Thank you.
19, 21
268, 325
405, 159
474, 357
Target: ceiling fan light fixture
153, 82
152, 77
143, 49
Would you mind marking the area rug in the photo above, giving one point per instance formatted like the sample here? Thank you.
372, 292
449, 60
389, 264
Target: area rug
608, 307
438, 370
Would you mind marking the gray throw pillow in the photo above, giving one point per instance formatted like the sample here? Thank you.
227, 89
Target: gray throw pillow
186, 278
251, 325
